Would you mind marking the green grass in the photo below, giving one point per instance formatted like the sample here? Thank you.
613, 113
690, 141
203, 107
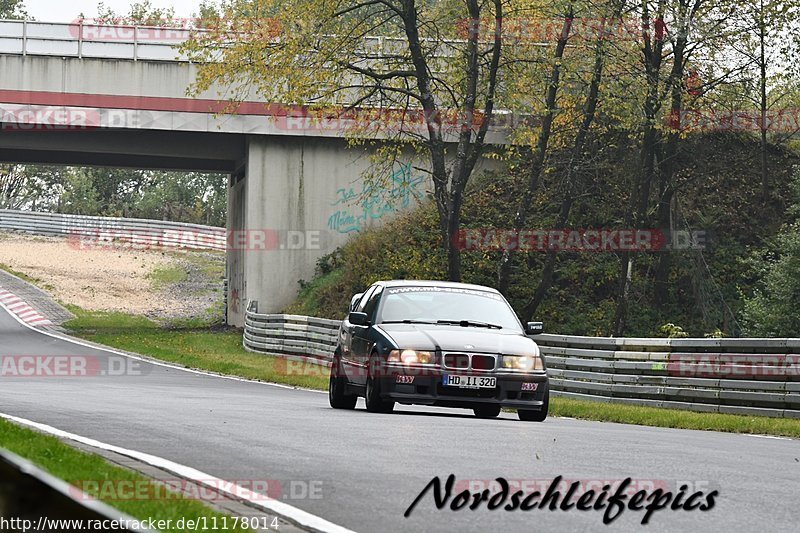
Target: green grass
674, 418
218, 351
82, 469
167, 275
222, 352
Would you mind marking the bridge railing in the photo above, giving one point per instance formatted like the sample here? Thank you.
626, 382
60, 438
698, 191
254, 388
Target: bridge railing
736, 376
91, 40
90, 231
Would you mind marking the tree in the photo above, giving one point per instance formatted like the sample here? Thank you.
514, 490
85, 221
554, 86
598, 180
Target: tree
439, 82
765, 30
570, 188
15, 192
772, 310
140, 13
12, 9
667, 45
80, 197
539, 153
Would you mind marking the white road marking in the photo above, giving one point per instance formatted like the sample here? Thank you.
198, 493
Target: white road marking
294, 514
775, 437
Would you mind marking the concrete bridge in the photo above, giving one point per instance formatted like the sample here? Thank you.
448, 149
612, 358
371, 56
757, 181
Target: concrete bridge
83, 94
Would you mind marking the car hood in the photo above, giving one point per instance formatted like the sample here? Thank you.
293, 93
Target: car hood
459, 339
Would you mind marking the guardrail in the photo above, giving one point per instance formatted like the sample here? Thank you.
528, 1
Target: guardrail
29, 496
736, 376
91, 231
290, 335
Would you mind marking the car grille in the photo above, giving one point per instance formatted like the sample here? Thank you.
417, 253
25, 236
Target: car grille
456, 360
465, 361
482, 362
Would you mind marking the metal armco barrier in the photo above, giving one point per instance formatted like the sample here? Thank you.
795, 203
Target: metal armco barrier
30, 494
736, 376
291, 335
90, 231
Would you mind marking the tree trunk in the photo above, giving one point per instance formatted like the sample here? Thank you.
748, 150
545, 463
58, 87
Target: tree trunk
589, 108
640, 194
763, 101
540, 152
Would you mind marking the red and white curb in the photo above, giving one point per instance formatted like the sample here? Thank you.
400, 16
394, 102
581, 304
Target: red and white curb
24, 312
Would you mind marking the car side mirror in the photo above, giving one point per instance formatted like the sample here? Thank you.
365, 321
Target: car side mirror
358, 319
354, 300
534, 328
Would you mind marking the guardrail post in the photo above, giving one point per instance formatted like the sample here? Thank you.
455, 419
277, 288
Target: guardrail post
80, 39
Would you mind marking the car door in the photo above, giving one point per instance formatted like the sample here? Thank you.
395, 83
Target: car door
350, 364
362, 338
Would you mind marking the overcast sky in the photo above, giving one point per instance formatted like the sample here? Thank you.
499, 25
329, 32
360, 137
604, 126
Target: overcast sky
66, 10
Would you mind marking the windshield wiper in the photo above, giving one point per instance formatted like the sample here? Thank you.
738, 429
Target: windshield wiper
470, 323
407, 321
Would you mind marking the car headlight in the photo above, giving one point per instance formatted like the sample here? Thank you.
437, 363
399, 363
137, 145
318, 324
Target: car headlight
523, 363
411, 357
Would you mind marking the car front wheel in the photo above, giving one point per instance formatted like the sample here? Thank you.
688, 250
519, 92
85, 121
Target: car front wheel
375, 404
529, 415
337, 387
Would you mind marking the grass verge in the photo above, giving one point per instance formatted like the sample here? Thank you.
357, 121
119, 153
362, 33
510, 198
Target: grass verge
218, 351
674, 418
222, 352
162, 276
83, 469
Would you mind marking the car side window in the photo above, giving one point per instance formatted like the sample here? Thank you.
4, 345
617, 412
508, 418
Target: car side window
372, 303
365, 299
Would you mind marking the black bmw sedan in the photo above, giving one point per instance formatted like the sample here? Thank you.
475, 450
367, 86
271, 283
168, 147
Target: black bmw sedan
438, 343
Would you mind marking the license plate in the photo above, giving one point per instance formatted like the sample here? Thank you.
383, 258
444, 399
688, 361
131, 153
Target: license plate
469, 382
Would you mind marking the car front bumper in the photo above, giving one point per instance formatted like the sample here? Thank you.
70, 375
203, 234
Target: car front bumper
427, 388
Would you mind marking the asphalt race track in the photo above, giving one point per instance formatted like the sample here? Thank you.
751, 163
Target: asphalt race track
366, 469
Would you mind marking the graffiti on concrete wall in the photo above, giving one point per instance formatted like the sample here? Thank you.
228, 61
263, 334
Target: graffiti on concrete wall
354, 208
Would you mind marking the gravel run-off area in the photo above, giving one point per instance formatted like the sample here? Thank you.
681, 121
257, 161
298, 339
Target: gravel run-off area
163, 285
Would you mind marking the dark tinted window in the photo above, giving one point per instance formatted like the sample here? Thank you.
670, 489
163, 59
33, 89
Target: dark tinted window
364, 299
372, 303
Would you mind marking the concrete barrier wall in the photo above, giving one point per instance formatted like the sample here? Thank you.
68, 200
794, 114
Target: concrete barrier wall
90, 231
735, 376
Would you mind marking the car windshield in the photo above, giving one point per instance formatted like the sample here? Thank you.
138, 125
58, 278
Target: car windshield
447, 305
